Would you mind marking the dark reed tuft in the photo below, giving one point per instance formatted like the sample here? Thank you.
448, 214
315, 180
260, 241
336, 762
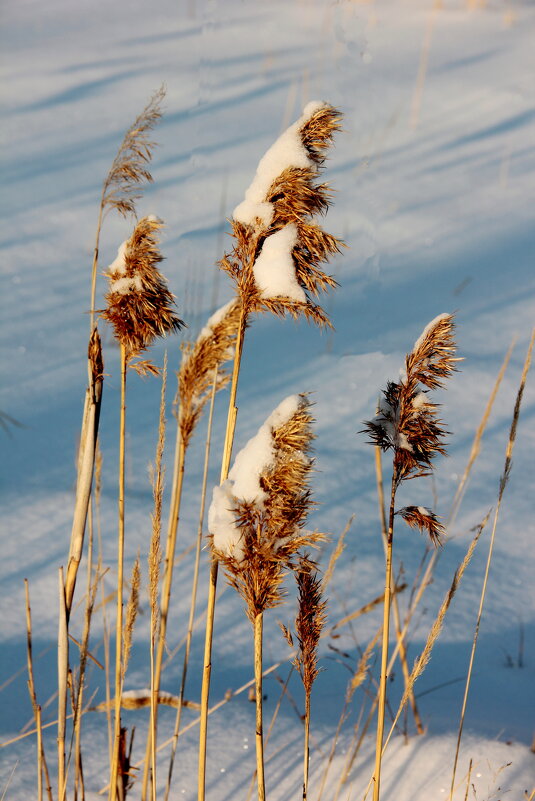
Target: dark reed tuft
310, 620
424, 519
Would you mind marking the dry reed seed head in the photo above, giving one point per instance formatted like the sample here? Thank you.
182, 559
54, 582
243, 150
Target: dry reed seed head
407, 420
131, 613
310, 620
424, 519
94, 354
279, 248
139, 304
202, 362
256, 517
129, 168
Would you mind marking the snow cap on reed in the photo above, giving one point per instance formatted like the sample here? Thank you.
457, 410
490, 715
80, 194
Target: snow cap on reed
139, 304
279, 245
257, 515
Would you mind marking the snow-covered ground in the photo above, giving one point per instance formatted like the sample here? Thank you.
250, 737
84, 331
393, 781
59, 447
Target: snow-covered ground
434, 175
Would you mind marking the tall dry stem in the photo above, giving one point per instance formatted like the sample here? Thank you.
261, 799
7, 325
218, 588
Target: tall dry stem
395, 604
42, 767
503, 483
120, 581
277, 213
63, 669
407, 424
194, 587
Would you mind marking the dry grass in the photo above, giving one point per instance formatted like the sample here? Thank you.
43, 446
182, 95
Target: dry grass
269, 535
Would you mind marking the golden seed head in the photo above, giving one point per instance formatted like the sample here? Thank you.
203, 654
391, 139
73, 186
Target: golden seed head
139, 304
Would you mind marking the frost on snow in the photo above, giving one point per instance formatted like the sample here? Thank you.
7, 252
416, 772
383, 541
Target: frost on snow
243, 483
287, 151
274, 269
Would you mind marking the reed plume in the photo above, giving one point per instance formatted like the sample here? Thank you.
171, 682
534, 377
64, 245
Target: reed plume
139, 307
309, 624
279, 246
275, 266
139, 304
256, 522
129, 169
407, 424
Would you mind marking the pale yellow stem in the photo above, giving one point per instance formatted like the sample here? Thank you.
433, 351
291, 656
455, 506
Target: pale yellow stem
258, 626
120, 581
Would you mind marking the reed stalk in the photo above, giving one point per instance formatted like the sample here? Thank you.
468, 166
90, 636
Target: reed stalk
384, 646
120, 581
91, 589
63, 669
395, 604
407, 424
212, 586
42, 768
503, 483
423, 659
259, 732
194, 588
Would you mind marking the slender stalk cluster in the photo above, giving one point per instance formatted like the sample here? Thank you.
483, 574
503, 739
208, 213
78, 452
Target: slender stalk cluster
279, 246
139, 304
407, 422
257, 515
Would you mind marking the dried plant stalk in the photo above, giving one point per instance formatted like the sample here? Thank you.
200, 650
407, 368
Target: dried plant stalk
407, 424
63, 669
503, 483
155, 558
309, 624
139, 307
423, 659
275, 222
86, 462
200, 363
189, 635
395, 605
256, 521
42, 767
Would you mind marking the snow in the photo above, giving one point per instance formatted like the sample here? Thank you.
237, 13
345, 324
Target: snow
429, 327
433, 176
208, 329
287, 151
118, 265
222, 522
274, 269
243, 483
126, 284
